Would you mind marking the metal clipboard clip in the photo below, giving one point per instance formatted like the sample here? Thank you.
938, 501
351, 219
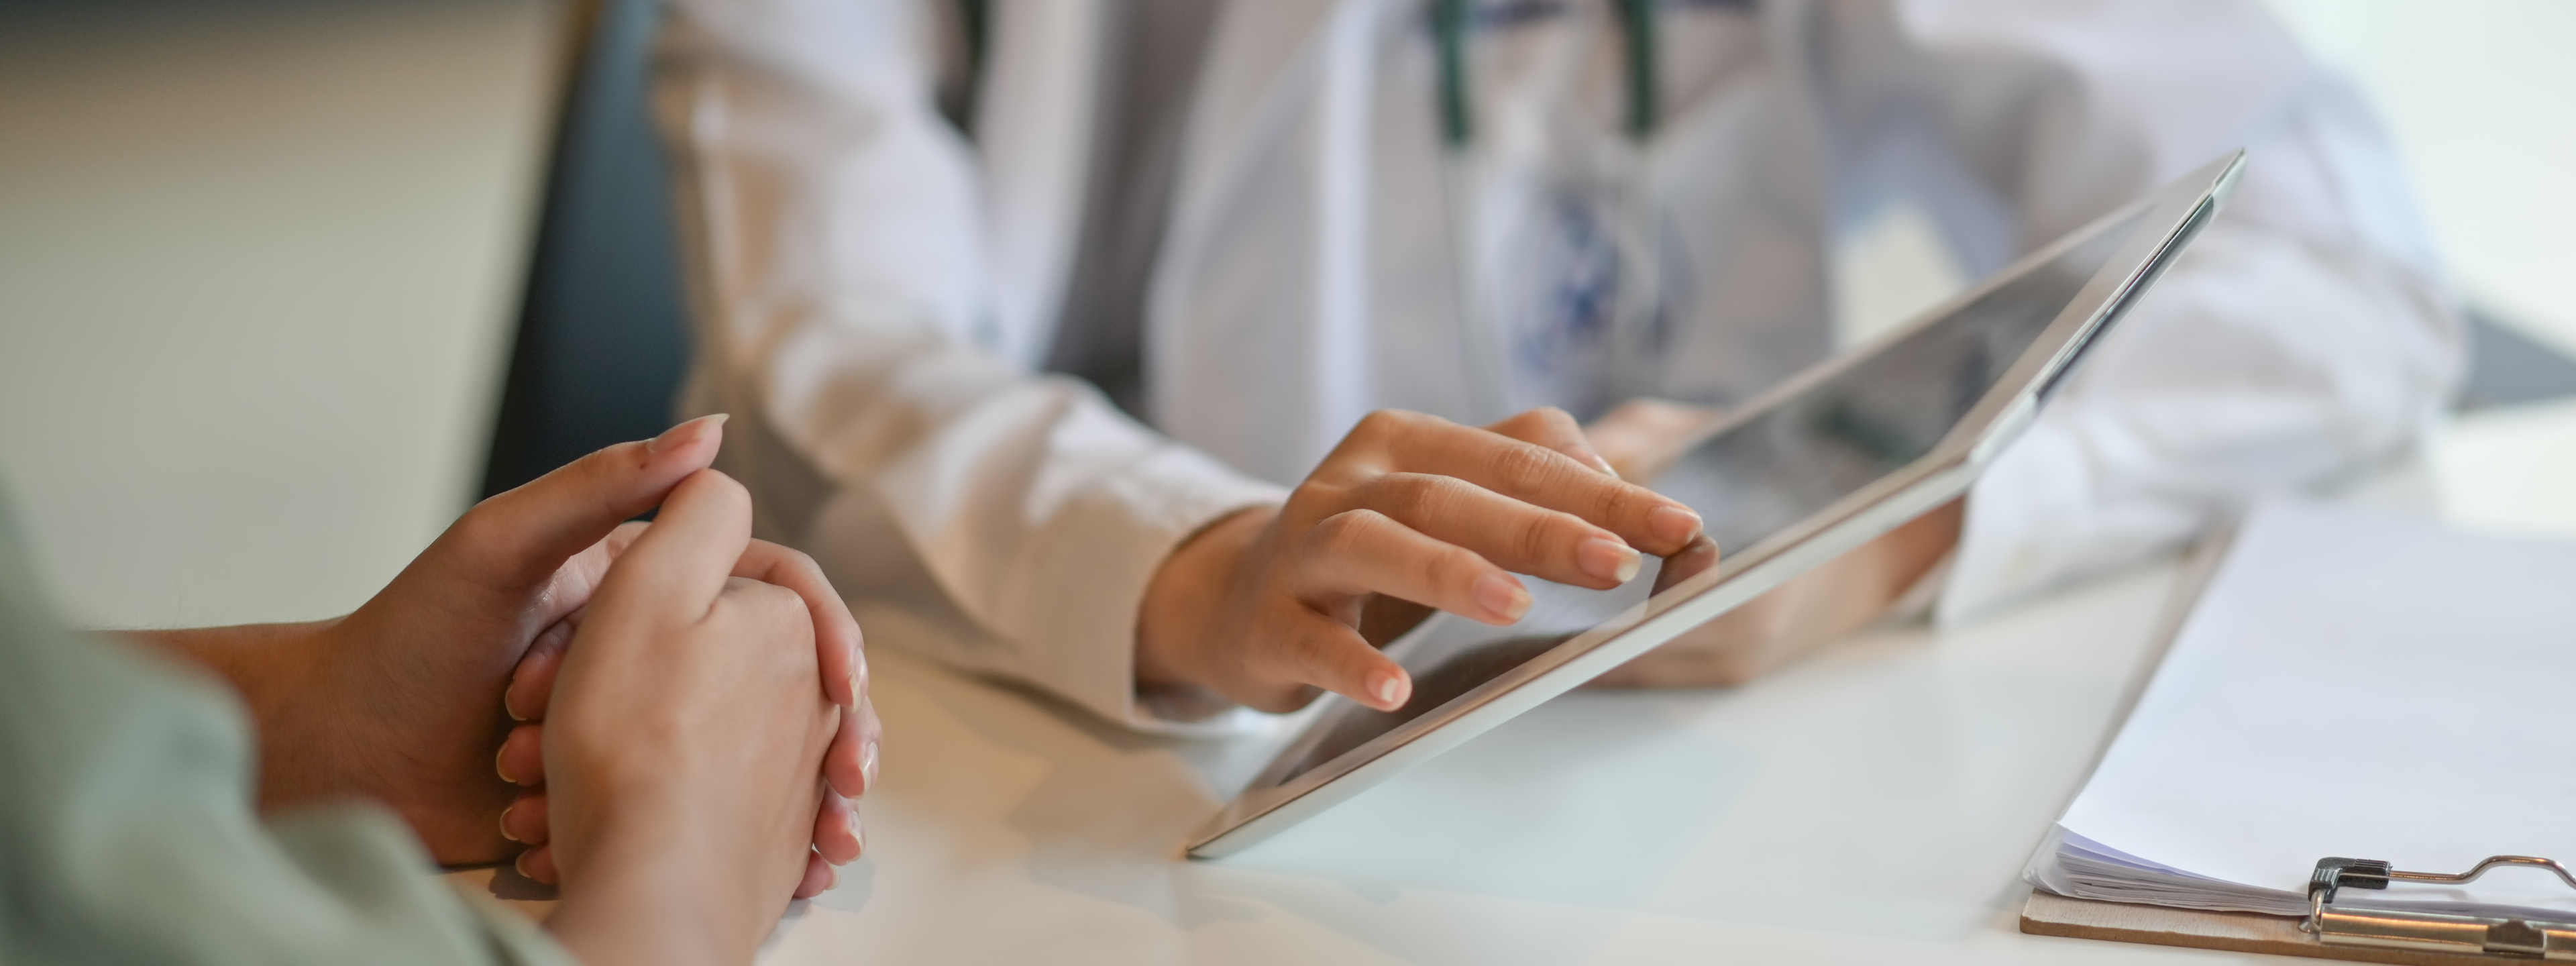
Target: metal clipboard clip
2430, 931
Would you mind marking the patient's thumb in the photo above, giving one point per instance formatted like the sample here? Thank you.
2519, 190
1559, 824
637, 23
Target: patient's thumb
530, 531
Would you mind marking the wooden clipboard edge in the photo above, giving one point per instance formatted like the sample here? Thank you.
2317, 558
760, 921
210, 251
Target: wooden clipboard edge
2049, 914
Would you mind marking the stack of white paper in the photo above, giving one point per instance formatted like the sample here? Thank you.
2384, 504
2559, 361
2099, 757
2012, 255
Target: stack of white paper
2350, 684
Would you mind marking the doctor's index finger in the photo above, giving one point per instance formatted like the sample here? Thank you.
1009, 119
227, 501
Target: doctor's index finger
1367, 552
1546, 477
685, 558
1514, 534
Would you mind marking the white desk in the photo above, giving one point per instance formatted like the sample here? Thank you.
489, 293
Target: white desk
1873, 804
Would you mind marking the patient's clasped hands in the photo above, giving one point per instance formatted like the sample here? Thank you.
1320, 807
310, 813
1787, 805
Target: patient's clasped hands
682, 745
665, 663
780, 573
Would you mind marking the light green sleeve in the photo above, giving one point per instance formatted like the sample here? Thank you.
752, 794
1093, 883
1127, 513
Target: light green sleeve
128, 833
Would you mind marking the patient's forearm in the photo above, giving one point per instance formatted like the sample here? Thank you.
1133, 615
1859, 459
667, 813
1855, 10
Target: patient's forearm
277, 670
253, 658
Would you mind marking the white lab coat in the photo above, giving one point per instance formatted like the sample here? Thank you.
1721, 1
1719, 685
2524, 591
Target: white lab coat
876, 292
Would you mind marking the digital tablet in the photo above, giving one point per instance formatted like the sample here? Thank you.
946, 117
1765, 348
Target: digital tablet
1824, 463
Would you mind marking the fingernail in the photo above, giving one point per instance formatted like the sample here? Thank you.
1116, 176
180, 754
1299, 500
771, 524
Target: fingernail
521, 864
1387, 689
1604, 466
684, 432
505, 822
510, 708
1607, 559
868, 768
1673, 524
496, 764
1502, 597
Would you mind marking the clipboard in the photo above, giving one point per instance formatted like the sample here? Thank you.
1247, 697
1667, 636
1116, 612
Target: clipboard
2330, 930
2346, 931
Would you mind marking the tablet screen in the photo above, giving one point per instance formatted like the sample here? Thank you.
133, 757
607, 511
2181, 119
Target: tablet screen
1765, 475
1796, 458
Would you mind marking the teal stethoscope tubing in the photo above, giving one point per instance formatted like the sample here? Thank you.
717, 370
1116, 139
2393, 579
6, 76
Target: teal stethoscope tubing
1489, 364
1453, 20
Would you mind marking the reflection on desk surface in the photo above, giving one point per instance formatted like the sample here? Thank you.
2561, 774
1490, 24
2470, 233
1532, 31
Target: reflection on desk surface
1450, 655
1352, 725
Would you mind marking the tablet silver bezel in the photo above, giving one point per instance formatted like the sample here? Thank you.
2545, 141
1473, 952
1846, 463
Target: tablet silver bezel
2173, 215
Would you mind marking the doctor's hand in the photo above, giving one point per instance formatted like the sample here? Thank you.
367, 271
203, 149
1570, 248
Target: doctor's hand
1408, 512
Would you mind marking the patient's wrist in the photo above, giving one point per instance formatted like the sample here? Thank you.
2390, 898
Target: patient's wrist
648, 877
261, 662
280, 673
635, 911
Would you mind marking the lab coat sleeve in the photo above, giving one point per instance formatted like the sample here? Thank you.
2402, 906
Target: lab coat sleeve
2304, 337
995, 519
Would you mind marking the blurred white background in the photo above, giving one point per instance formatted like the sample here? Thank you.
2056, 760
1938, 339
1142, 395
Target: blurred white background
2481, 95
258, 258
